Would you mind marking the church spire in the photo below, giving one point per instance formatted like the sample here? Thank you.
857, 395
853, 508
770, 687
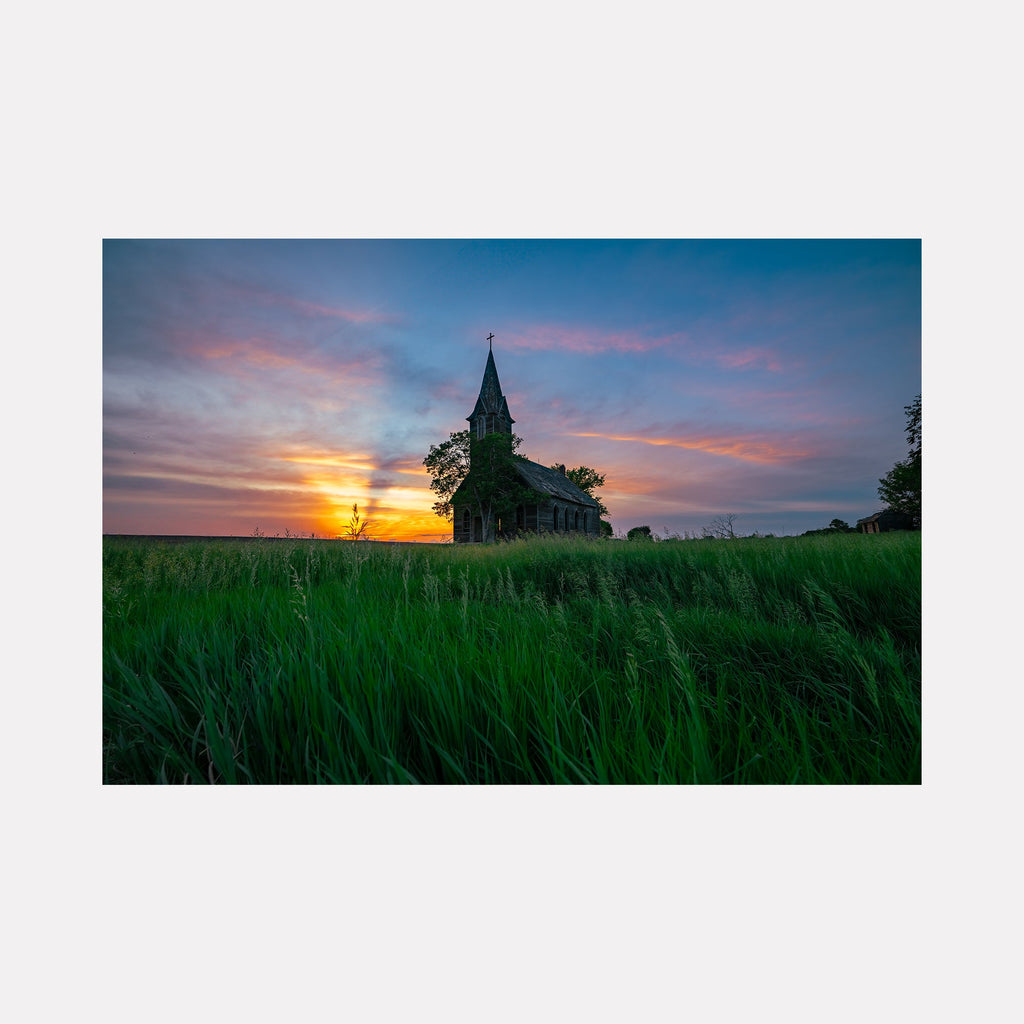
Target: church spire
490, 415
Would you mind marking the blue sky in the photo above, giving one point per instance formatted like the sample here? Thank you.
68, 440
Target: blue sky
272, 384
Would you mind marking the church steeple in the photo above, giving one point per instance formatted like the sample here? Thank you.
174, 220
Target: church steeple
490, 415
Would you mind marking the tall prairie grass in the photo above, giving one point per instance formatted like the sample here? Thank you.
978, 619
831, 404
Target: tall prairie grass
760, 661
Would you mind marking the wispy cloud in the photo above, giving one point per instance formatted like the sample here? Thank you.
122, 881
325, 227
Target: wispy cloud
586, 340
748, 359
363, 462
242, 355
749, 449
253, 351
316, 309
692, 346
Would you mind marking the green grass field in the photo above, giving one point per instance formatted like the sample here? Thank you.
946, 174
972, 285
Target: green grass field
789, 660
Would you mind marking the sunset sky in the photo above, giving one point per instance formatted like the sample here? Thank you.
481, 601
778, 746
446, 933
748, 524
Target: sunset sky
271, 384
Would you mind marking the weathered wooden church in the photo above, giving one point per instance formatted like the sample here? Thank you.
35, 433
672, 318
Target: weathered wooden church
562, 508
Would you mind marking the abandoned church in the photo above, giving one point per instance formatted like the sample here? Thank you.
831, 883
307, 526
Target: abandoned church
559, 506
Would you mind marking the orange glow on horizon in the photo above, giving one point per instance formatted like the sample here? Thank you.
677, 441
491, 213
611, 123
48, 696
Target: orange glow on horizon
386, 522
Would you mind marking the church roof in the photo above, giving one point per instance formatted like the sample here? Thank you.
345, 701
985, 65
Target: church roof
490, 400
552, 482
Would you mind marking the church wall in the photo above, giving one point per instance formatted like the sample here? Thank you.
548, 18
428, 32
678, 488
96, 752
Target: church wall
462, 525
546, 518
467, 529
560, 517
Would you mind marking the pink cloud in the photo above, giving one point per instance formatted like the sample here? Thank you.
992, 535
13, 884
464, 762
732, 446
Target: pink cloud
585, 340
590, 341
749, 449
251, 294
749, 358
354, 316
250, 351
238, 356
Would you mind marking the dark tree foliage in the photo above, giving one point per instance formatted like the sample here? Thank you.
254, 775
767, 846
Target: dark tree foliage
900, 488
722, 527
588, 480
482, 472
913, 428
448, 466
836, 526
640, 533
493, 488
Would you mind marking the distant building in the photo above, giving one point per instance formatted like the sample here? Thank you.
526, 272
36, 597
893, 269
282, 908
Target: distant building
885, 522
564, 509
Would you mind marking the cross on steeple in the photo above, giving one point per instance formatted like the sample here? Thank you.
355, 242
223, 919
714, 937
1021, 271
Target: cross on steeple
490, 348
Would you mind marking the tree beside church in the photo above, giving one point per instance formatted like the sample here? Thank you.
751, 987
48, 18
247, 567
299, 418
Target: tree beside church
900, 488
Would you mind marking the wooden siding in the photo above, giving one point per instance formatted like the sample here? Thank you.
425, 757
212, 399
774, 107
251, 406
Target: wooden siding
467, 528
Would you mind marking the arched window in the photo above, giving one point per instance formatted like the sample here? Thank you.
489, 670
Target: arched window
465, 521
556, 520
576, 520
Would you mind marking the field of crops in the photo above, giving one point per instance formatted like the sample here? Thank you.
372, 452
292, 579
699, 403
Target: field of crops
757, 661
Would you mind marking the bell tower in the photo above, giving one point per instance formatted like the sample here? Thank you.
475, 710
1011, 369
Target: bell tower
490, 415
